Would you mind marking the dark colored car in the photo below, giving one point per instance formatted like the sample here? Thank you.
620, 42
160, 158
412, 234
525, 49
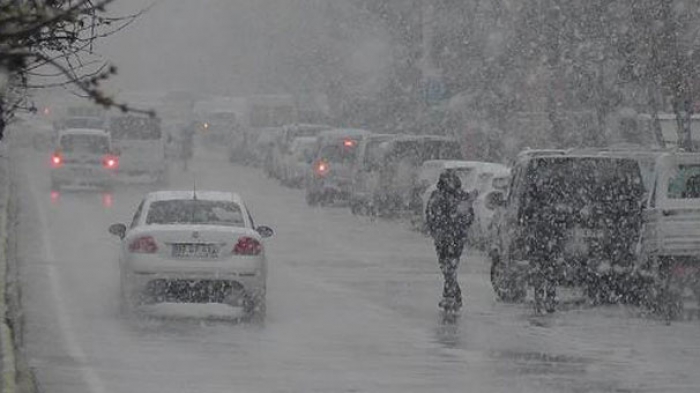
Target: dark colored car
582, 212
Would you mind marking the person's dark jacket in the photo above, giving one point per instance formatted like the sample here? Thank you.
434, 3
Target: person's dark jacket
449, 212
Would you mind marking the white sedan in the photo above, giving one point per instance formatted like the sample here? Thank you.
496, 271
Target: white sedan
197, 247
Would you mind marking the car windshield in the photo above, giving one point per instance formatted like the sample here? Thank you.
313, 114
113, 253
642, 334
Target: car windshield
84, 122
134, 128
338, 153
419, 151
196, 212
303, 150
84, 143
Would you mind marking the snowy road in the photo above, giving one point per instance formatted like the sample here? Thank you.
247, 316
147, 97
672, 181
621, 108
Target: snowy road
352, 308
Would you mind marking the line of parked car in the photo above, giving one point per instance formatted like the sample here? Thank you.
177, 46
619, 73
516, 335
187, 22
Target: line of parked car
623, 223
388, 175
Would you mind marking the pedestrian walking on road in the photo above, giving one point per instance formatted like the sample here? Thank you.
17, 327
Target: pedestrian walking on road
449, 214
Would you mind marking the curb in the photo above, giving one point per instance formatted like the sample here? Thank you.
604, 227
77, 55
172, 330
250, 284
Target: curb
9, 374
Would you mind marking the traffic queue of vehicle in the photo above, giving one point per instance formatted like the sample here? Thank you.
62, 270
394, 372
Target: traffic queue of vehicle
621, 224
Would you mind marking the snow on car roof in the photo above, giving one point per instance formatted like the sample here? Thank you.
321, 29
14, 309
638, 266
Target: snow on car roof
342, 132
189, 194
83, 131
451, 164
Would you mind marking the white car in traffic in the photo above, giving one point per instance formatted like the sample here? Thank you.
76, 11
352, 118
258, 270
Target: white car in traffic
83, 158
198, 247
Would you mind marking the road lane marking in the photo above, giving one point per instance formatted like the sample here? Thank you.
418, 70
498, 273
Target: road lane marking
70, 341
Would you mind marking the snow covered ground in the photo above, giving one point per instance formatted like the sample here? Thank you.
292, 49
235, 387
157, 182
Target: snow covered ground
352, 307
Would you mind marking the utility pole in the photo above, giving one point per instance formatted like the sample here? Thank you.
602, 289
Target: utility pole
432, 81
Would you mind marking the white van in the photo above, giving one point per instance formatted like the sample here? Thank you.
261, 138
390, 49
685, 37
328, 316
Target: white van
671, 232
140, 142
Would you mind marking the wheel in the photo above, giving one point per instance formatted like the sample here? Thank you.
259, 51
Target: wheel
668, 299
507, 288
311, 199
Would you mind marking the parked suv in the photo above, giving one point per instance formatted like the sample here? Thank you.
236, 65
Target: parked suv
581, 213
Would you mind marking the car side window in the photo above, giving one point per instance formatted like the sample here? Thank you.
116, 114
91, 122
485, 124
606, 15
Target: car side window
137, 215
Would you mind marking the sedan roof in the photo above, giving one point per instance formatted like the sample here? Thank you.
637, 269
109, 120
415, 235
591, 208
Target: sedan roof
201, 195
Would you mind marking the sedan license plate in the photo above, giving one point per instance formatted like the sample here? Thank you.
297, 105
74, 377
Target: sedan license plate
82, 171
195, 250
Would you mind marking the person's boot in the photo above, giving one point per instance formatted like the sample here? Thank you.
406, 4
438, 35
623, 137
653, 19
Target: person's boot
551, 298
539, 298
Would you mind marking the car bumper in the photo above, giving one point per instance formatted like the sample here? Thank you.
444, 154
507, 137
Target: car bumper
153, 280
82, 176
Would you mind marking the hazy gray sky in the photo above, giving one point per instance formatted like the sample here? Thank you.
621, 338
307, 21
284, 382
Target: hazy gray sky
241, 46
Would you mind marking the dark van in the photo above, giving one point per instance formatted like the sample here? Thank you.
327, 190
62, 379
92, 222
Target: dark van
581, 213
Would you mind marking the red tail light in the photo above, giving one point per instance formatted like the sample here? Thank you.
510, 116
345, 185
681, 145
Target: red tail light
56, 160
143, 245
247, 246
322, 168
110, 162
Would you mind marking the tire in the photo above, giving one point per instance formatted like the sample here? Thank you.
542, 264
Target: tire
507, 288
125, 305
311, 199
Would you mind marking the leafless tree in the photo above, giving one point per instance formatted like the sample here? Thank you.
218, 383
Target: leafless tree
53, 40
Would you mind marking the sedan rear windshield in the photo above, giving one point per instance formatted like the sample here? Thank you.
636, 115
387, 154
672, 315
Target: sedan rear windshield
338, 153
420, 151
96, 144
196, 212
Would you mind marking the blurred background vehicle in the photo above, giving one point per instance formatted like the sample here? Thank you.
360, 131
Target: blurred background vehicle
141, 145
296, 163
281, 151
402, 157
365, 172
83, 158
330, 177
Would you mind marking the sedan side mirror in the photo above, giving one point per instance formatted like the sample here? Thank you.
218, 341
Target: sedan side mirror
495, 200
118, 230
265, 231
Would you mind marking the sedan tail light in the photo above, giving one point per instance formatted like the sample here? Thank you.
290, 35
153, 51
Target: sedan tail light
247, 246
56, 160
143, 245
110, 162
322, 168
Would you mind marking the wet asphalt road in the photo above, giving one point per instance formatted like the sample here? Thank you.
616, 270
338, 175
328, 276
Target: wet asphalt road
352, 307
